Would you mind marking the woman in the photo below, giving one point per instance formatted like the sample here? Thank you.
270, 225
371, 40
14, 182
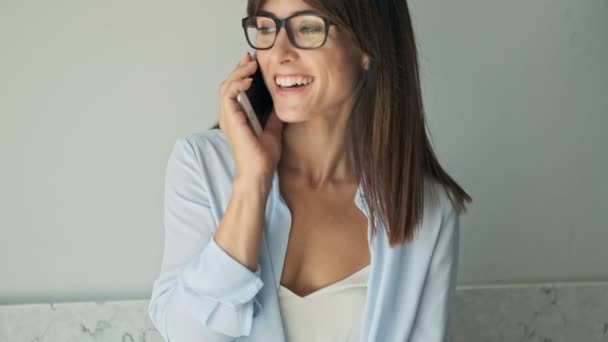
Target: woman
337, 223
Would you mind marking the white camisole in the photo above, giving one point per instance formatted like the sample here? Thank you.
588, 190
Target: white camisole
332, 313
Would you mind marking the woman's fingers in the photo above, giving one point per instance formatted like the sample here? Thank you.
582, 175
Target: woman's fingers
233, 88
239, 74
259, 155
246, 58
243, 70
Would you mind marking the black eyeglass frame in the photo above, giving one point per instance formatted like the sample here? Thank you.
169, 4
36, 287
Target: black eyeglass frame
280, 23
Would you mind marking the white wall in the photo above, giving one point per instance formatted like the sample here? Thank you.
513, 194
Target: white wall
93, 95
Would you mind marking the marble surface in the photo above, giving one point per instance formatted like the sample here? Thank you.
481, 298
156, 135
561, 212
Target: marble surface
531, 313
541, 313
117, 321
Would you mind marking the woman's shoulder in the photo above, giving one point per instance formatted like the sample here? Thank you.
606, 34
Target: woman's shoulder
438, 214
210, 150
437, 199
206, 141
209, 144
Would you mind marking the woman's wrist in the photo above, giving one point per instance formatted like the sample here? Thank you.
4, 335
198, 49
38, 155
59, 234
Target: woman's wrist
253, 184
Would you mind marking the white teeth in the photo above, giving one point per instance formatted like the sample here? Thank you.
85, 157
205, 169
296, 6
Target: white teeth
291, 81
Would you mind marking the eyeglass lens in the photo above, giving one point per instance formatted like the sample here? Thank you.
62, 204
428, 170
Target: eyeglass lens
307, 31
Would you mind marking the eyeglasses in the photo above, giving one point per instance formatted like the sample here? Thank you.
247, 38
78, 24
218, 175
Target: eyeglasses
305, 30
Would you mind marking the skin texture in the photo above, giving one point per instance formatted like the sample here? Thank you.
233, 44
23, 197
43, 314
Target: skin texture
304, 140
313, 138
328, 240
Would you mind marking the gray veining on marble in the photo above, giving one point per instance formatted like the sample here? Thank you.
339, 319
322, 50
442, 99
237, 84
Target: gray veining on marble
564, 313
549, 313
118, 321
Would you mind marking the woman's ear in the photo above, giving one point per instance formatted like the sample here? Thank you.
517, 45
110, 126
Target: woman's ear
365, 62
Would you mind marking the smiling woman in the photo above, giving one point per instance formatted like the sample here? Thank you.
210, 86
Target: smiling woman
340, 200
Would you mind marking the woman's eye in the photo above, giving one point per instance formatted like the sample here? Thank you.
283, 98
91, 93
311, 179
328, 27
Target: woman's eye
310, 29
266, 30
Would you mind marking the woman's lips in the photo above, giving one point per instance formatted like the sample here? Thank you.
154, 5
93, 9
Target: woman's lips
291, 90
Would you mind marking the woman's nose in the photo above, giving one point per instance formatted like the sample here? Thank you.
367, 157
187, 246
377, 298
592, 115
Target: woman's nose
283, 48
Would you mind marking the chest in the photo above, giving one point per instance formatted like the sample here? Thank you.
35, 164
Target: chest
327, 241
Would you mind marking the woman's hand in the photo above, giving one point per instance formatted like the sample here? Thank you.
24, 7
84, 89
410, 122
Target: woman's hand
256, 157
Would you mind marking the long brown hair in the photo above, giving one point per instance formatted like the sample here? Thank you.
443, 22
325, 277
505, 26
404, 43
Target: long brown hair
387, 132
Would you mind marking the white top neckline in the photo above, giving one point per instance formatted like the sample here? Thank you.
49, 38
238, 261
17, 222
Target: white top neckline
357, 279
332, 313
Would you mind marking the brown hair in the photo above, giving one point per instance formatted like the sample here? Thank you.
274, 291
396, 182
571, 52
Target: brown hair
387, 132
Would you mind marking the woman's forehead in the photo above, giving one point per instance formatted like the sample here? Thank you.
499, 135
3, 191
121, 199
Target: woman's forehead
284, 7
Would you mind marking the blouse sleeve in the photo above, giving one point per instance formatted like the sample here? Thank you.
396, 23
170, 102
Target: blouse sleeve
202, 293
434, 318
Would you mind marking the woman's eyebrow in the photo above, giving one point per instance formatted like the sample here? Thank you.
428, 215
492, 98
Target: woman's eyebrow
264, 12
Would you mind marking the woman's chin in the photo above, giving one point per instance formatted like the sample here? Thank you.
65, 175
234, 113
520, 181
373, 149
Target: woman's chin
291, 116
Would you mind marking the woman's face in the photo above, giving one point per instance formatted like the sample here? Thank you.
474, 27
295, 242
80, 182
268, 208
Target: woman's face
333, 69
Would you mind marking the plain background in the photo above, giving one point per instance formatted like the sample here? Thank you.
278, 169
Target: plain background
94, 94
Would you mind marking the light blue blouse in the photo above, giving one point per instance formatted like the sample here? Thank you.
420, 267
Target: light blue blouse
203, 294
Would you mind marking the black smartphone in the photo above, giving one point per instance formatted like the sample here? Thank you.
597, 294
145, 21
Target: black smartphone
258, 99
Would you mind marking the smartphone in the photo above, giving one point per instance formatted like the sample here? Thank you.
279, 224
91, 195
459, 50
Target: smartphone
252, 118
256, 102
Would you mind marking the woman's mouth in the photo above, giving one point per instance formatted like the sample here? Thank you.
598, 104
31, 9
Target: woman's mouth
292, 83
